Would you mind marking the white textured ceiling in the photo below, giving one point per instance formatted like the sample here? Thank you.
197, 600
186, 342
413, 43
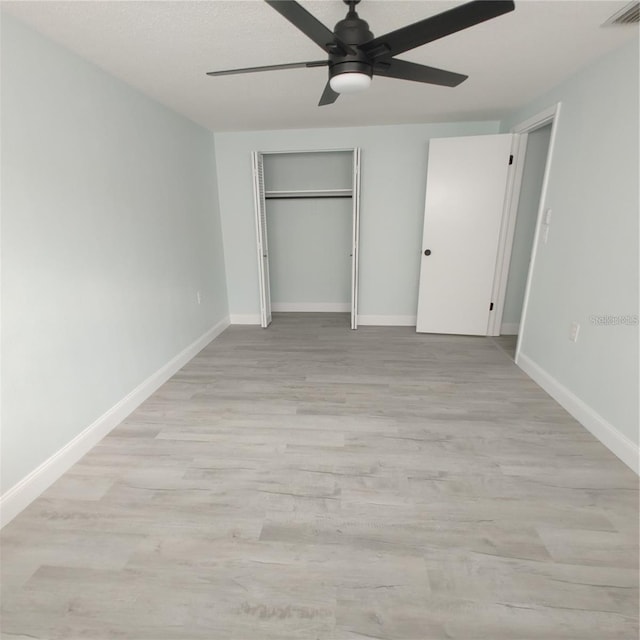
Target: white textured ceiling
165, 48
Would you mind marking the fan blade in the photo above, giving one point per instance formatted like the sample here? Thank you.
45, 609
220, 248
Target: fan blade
435, 27
299, 17
329, 96
404, 70
271, 67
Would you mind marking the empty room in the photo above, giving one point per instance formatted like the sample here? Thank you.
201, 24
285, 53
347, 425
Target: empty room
319, 319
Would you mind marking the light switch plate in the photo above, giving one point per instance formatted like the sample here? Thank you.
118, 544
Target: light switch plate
574, 331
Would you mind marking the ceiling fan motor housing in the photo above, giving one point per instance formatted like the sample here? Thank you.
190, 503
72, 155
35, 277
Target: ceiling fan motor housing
352, 31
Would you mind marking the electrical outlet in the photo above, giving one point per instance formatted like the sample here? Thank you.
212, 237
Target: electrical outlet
199, 297
574, 331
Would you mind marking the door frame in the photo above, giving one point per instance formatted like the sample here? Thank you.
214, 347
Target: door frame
550, 115
259, 195
355, 237
260, 210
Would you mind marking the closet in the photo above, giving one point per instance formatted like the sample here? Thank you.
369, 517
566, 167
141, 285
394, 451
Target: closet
307, 210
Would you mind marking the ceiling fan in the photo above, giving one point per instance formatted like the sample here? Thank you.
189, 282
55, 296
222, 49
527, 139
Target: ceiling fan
355, 55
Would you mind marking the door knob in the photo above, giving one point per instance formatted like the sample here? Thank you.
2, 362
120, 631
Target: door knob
427, 252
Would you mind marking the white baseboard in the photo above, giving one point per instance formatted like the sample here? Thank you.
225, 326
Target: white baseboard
610, 437
387, 321
509, 328
311, 307
13, 501
244, 318
364, 320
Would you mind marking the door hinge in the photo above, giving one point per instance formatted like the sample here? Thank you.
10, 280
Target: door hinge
511, 159
491, 307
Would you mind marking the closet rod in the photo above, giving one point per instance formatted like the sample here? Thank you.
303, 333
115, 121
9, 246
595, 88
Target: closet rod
304, 197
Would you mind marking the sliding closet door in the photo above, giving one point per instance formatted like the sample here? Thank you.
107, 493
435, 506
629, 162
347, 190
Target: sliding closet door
261, 234
355, 197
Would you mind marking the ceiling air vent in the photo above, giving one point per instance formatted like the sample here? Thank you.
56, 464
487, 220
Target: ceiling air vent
627, 15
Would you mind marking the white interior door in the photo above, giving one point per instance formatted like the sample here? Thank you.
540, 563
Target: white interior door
261, 234
465, 198
355, 197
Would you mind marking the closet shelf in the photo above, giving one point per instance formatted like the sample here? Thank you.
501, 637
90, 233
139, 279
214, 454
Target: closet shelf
309, 193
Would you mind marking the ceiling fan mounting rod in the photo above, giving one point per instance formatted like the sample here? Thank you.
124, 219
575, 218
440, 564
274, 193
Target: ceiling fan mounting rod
352, 8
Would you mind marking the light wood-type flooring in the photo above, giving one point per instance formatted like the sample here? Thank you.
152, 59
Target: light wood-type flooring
311, 482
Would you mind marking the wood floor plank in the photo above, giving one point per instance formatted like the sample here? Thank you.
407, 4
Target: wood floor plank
311, 482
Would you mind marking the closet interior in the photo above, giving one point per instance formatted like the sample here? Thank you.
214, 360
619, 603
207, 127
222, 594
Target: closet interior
307, 226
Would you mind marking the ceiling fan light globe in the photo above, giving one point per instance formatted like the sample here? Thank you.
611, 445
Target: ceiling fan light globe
350, 82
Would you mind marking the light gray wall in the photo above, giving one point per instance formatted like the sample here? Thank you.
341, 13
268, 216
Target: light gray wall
394, 165
297, 171
309, 250
110, 226
533, 174
590, 264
